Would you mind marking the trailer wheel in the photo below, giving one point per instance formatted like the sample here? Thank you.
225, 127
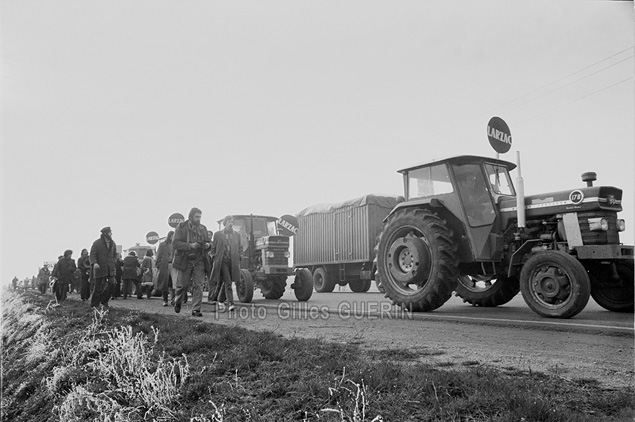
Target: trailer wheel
245, 287
359, 286
616, 296
273, 287
417, 261
322, 282
487, 293
555, 284
303, 285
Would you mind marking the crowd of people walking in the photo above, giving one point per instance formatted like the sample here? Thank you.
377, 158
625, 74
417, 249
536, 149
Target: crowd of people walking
190, 256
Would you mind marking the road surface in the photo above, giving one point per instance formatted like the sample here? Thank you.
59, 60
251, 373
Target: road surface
596, 344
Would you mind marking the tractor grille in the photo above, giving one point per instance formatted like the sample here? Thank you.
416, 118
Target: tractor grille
609, 237
278, 258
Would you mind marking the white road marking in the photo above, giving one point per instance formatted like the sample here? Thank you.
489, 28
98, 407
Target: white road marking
565, 324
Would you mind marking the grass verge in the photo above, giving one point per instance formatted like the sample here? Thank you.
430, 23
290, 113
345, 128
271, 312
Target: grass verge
73, 364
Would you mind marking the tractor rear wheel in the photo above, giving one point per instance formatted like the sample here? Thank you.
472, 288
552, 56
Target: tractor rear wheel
417, 260
273, 287
617, 296
303, 285
487, 293
322, 281
555, 284
245, 287
359, 286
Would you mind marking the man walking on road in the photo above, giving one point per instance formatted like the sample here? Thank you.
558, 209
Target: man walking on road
83, 263
103, 256
43, 278
167, 275
131, 270
191, 240
64, 273
226, 251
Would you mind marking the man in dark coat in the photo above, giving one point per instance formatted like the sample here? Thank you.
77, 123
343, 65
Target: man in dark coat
43, 278
83, 263
64, 272
103, 256
165, 256
116, 291
226, 251
130, 274
191, 241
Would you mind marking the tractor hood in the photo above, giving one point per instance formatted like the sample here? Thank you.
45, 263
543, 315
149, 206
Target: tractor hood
583, 199
278, 242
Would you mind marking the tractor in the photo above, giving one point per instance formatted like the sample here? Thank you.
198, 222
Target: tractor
464, 229
265, 260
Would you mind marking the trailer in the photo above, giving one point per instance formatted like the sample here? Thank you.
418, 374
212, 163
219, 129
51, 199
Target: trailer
336, 242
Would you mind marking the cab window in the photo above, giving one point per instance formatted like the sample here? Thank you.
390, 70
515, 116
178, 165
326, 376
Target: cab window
499, 180
428, 181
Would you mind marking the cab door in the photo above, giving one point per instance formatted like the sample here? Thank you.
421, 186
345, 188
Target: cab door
479, 212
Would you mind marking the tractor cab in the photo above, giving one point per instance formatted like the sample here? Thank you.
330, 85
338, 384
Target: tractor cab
466, 190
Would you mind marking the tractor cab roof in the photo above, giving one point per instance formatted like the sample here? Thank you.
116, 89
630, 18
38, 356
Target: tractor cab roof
462, 159
246, 216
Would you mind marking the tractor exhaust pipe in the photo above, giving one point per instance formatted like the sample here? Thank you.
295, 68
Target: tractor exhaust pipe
589, 178
520, 195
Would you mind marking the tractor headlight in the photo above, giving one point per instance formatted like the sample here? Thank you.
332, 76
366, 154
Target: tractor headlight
270, 254
621, 225
287, 254
598, 224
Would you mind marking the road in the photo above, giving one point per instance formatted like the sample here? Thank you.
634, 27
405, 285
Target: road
596, 344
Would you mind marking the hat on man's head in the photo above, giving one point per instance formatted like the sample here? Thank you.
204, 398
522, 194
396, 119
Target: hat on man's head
106, 230
133, 253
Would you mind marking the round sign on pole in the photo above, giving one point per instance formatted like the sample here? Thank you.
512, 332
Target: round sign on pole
287, 225
499, 135
152, 237
175, 219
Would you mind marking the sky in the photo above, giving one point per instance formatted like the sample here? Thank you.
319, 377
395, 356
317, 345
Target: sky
122, 113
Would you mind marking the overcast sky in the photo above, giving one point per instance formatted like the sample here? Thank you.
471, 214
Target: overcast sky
121, 113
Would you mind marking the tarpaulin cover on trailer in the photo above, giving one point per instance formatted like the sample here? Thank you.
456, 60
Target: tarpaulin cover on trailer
384, 201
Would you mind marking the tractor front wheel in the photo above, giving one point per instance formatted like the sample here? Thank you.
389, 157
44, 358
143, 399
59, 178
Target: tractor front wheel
273, 287
303, 285
555, 284
417, 260
613, 295
245, 287
487, 292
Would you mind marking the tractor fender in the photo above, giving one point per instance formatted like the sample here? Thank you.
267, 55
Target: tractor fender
426, 203
439, 207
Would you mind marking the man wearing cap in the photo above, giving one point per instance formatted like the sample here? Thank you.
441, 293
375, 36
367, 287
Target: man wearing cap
43, 278
191, 241
226, 252
103, 256
130, 274
83, 263
63, 273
